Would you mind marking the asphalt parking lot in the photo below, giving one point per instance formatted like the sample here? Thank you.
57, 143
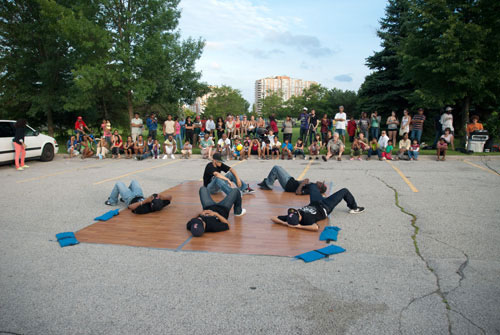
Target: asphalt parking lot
422, 259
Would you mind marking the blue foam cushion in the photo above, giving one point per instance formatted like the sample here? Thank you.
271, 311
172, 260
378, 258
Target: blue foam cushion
61, 236
68, 241
331, 250
329, 233
108, 215
310, 256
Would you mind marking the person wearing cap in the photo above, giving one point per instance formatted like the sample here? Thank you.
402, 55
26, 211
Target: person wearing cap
340, 123
474, 126
318, 209
133, 197
214, 216
447, 120
214, 180
288, 183
304, 124
79, 126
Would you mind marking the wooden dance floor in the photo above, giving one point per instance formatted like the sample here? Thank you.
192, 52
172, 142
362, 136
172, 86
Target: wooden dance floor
253, 233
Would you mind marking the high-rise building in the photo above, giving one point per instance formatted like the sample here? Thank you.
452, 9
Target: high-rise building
288, 86
198, 107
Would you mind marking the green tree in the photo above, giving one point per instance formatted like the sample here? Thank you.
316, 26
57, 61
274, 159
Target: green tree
386, 89
226, 100
348, 99
273, 104
451, 53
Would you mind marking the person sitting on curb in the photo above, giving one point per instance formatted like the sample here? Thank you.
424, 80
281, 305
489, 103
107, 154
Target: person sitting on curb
318, 209
335, 148
374, 149
404, 146
214, 180
288, 183
206, 146
133, 197
214, 216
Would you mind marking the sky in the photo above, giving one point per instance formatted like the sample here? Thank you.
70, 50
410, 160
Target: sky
326, 41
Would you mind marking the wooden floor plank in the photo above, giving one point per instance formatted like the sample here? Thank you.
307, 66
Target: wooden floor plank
253, 233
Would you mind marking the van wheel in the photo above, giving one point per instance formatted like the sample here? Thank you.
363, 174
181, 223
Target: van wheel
47, 153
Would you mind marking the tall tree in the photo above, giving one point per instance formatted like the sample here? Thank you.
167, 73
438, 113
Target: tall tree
386, 89
452, 52
226, 100
273, 104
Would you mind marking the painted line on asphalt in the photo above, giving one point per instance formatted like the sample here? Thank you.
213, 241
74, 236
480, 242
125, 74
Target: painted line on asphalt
60, 173
301, 176
480, 167
135, 172
412, 187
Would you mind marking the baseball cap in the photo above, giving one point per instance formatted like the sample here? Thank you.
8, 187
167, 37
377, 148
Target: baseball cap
217, 157
79, 118
292, 217
197, 228
449, 108
305, 108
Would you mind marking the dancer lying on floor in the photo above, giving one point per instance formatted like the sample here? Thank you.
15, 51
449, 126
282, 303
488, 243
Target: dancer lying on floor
289, 184
214, 216
133, 197
318, 209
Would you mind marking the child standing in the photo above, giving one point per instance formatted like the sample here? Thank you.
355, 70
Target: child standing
388, 150
414, 150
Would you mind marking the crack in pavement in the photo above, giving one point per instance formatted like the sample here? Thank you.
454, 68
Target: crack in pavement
485, 162
416, 230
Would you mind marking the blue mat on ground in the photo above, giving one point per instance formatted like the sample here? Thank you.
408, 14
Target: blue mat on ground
314, 255
108, 215
329, 234
67, 238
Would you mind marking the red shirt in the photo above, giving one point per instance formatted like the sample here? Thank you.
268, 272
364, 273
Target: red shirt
79, 124
274, 126
351, 127
203, 122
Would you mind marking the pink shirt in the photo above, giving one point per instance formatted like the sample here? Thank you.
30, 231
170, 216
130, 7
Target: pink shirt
177, 128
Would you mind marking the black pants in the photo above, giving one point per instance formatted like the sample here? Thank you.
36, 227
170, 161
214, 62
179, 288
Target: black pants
303, 134
333, 200
189, 136
152, 133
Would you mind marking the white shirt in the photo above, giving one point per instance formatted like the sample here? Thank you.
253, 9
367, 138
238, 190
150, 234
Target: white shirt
137, 122
340, 124
382, 141
210, 125
271, 139
169, 126
447, 121
223, 143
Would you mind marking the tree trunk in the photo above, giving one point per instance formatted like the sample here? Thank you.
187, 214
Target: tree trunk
130, 109
105, 109
50, 122
465, 115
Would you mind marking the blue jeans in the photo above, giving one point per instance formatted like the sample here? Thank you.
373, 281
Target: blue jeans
218, 184
371, 152
333, 200
416, 134
413, 154
127, 193
178, 141
299, 152
375, 132
277, 172
233, 198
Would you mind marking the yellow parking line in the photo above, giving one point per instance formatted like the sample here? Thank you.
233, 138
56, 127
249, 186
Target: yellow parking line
58, 173
482, 168
305, 171
137, 171
412, 187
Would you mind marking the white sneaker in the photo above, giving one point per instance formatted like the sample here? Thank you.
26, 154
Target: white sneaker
19, 169
164, 157
25, 166
172, 156
243, 211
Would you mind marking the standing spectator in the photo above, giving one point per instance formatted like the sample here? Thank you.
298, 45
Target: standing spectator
414, 150
417, 125
351, 128
155, 150
230, 126
152, 123
375, 124
221, 127
261, 126
438, 127
128, 147
197, 129
287, 129
313, 125
474, 126
405, 123
441, 148
335, 148
189, 130
252, 125
182, 123
356, 150
210, 126
325, 123
387, 153
187, 150
203, 124
392, 126
206, 146
364, 125
139, 146
20, 145
382, 141
72, 146
374, 149
404, 146
449, 138
273, 124
137, 126
304, 124
177, 129
117, 144
244, 126
102, 148
237, 127
224, 146
340, 123
80, 127
447, 120
169, 127
169, 147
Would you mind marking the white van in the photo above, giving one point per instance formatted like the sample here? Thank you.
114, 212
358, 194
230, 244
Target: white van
38, 146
